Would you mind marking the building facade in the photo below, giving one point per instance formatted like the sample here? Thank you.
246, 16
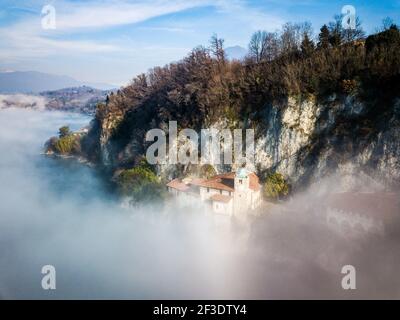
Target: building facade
231, 194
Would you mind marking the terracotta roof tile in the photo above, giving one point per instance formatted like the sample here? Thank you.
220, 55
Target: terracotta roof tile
221, 198
178, 185
223, 181
254, 181
216, 183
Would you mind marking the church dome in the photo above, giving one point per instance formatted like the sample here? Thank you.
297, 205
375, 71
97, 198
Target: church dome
242, 173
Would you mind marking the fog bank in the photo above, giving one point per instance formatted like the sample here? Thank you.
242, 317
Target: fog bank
22, 101
62, 213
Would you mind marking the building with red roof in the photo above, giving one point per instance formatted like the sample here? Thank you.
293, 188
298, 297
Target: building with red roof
232, 193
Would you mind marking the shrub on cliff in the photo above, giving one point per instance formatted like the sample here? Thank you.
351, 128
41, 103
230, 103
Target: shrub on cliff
67, 143
276, 186
349, 86
207, 171
141, 184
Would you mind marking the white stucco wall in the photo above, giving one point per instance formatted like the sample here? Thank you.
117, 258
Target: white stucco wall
205, 195
223, 207
242, 201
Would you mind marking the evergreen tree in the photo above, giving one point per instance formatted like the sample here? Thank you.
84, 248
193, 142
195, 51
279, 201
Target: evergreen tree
307, 46
323, 37
336, 31
64, 131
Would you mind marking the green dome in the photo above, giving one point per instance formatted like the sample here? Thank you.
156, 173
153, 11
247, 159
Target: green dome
242, 173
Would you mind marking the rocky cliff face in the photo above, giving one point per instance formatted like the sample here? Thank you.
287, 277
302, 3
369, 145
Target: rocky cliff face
304, 140
331, 110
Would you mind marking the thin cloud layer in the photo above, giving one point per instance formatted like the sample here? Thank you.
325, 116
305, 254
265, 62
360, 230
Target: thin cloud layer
115, 13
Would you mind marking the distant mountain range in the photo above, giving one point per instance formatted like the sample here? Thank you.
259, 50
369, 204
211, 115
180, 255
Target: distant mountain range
35, 82
235, 52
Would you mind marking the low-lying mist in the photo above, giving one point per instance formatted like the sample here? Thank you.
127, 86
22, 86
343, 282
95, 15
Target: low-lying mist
60, 212
22, 101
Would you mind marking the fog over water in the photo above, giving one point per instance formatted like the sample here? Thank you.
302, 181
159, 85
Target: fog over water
61, 212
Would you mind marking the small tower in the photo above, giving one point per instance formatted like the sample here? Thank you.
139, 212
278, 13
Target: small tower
242, 181
242, 194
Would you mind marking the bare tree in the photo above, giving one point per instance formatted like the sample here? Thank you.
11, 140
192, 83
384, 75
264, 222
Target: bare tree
341, 35
288, 37
271, 46
293, 34
387, 23
264, 46
256, 45
336, 31
351, 34
217, 48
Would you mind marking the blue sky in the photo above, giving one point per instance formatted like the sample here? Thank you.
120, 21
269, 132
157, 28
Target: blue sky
112, 41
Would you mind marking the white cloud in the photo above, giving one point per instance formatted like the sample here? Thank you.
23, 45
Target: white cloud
80, 26
120, 13
27, 39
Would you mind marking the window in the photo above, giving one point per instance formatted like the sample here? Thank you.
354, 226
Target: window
220, 191
208, 189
